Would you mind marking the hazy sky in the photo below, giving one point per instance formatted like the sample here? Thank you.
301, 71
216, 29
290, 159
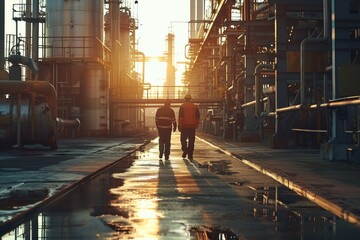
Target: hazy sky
156, 18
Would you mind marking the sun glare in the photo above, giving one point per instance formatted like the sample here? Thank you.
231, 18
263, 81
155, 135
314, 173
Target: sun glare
155, 73
152, 33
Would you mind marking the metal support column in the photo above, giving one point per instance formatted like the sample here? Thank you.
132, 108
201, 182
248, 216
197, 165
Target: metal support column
335, 149
282, 136
115, 61
249, 133
3, 74
35, 31
229, 71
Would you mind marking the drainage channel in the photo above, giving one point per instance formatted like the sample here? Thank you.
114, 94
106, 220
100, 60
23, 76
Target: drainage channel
142, 197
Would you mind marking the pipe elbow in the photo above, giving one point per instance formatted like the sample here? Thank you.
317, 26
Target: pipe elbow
18, 59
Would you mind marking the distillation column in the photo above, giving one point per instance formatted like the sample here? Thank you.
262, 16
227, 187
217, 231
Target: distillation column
74, 34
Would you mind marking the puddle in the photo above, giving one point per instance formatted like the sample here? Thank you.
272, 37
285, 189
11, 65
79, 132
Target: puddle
221, 167
139, 199
212, 233
22, 198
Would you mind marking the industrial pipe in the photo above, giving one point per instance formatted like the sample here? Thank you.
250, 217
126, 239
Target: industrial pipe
257, 74
68, 123
30, 87
334, 104
16, 59
290, 108
303, 50
48, 107
248, 104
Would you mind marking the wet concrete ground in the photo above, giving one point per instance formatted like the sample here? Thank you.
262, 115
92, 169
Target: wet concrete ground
35, 173
213, 197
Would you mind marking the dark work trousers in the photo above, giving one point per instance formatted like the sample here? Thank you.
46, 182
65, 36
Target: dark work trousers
187, 138
164, 141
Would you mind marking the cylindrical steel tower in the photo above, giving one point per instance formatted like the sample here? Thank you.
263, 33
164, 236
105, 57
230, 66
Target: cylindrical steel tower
72, 27
74, 33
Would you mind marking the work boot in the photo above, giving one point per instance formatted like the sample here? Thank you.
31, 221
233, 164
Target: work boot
167, 157
160, 155
184, 155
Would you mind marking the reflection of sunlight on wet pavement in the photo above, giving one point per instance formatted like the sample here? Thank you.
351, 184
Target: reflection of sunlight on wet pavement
137, 199
146, 210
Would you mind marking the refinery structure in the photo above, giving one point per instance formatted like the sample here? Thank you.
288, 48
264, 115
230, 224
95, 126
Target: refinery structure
281, 72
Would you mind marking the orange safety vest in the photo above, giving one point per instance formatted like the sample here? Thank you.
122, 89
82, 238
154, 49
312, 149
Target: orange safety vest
189, 115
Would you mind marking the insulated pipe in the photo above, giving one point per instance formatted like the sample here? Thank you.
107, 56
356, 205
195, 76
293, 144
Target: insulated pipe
334, 104
30, 87
303, 50
257, 74
248, 104
16, 59
68, 123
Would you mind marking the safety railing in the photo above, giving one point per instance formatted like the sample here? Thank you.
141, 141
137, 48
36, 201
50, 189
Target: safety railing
178, 92
147, 95
73, 49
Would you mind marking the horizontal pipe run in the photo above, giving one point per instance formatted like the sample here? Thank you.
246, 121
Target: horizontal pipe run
288, 109
343, 103
333, 104
309, 130
248, 104
68, 123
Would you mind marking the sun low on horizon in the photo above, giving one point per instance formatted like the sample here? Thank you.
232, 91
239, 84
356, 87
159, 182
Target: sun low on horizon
156, 19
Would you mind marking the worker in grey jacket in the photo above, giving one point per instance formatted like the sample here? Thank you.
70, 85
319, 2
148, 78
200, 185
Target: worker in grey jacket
165, 122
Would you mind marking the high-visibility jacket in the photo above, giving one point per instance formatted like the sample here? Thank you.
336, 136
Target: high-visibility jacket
165, 117
189, 115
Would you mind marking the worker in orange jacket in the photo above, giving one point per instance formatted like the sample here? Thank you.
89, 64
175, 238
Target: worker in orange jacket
165, 121
189, 117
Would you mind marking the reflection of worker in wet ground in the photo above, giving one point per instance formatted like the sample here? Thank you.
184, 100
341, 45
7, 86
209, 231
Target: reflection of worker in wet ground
189, 116
165, 122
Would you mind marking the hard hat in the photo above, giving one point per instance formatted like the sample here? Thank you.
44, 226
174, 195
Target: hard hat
187, 96
167, 101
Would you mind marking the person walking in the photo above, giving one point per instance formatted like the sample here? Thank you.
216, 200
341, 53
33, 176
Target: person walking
165, 122
189, 117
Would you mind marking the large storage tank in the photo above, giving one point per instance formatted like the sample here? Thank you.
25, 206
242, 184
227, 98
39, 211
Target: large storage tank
73, 36
72, 27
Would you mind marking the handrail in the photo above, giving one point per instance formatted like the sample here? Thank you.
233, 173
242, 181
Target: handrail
80, 47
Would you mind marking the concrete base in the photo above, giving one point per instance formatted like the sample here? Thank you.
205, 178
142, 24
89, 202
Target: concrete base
334, 151
354, 155
249, 136
283, 141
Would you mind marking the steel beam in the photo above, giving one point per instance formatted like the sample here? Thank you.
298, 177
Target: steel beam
2, 34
